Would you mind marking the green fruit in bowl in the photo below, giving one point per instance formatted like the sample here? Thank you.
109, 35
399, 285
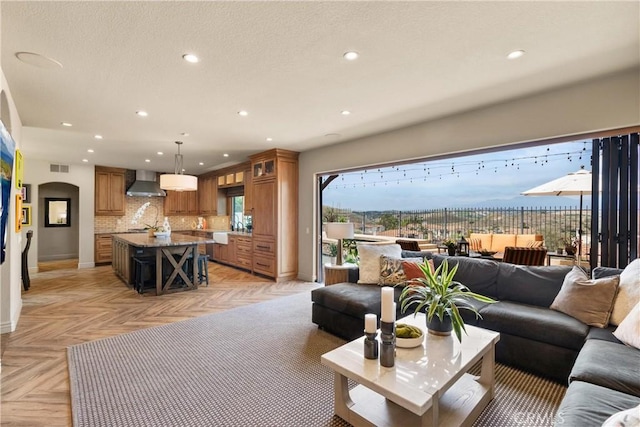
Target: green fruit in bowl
407, 331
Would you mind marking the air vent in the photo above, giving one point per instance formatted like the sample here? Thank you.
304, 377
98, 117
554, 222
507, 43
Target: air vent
59, 168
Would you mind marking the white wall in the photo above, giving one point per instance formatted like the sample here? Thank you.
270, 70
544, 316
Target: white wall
10, 283
606, 103
36, 172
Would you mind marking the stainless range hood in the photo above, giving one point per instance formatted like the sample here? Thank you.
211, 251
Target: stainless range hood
145, 185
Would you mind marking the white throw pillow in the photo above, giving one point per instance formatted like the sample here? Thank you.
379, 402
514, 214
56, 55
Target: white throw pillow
628, 292
629, 329
628, 418
370, 261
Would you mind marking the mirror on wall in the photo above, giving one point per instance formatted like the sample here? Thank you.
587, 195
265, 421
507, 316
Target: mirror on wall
57, 212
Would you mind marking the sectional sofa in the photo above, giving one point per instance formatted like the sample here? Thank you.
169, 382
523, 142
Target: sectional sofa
603, 373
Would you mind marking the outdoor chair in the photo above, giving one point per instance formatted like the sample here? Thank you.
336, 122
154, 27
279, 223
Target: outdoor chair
408, 245
524, 256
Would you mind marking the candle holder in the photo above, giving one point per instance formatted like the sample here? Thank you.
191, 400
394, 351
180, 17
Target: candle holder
387, 344
370, 345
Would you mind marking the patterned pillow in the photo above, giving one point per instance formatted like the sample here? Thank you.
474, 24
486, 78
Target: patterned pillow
391, 271
475, 244
534, 244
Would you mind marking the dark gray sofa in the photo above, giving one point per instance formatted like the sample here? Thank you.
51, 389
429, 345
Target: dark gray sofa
532, 336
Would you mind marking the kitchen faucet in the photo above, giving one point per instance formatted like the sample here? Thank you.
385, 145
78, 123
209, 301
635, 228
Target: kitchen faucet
239, 226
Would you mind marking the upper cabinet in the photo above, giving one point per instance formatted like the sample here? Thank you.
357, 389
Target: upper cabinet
109, 191
232, 177
181, 203
208, 195
263, 168
248, 192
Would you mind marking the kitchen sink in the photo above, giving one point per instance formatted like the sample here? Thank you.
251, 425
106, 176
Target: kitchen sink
221, 237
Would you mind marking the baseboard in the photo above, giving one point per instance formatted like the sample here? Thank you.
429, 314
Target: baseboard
58, 257
10, 326
33, 270
86, 265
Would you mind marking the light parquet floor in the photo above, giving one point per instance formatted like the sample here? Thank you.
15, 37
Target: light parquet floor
67, 307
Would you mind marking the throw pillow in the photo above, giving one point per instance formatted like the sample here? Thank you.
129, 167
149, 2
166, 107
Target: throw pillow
475, 244
628, 292
392, 271
629, 329
629, 417
412, 269
589, 301
534, 244
370, 261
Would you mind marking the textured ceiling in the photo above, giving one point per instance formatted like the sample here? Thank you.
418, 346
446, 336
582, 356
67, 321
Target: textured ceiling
282, 62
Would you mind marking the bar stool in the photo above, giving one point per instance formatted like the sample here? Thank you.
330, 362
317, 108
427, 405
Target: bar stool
203, 268
143, 265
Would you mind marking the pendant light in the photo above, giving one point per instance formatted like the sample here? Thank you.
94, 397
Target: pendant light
178, 181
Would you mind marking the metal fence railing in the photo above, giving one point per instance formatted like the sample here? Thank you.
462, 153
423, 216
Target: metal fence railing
556, 224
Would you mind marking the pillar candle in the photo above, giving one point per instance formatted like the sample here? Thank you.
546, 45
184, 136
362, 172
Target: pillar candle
370, 323
394, 312
387, 304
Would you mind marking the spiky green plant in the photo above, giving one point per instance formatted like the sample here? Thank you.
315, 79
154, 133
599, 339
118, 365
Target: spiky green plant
440, 295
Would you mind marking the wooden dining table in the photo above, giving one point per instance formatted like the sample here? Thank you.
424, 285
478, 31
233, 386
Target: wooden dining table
171, 256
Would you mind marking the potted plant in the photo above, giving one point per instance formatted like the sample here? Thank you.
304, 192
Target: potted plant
441, 298
333, 252
451, 246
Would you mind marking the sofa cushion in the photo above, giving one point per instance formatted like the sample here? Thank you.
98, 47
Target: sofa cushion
535, 323
370, 260
485, 240
501, 241
587, 404
529, 240
607, 364
605, 334
351, 299
392, 271
589, 301
416, 254
628, 292
479, 275
629, 329
535, 285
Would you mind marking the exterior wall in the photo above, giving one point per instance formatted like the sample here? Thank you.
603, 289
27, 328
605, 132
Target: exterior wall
608, 102
10, 270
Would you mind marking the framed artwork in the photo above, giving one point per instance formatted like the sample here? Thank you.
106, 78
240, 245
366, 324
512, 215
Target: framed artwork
18, 213
26, 193
7, 153
26, 215
19, 169
57, 212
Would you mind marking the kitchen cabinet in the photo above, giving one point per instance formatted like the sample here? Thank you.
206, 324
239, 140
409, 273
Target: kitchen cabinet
274, 182
207, 195
221, 253
233, 177
181, 203
109, 191
248, 193
103, 249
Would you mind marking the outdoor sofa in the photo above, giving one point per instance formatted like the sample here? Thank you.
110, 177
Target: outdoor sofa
603, 373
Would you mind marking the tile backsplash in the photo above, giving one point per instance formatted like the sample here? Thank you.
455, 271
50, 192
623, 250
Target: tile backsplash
153, 213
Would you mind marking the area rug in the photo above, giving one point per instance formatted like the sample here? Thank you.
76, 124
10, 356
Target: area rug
257, 365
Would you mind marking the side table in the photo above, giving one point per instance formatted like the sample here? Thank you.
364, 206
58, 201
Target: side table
334, 273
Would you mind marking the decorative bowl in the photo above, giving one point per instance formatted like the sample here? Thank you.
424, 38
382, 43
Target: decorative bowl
162, 233
409, 342
487, 253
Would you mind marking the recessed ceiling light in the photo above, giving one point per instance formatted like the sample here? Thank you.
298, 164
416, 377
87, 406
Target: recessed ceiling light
225, 155
66, 124
147, 160
160, 153
90, 150
351, 55
142, 113
515, 54
85, 160
184, 133
269, 139
97, 136
190, 57
243, 113
345, 112
201, 164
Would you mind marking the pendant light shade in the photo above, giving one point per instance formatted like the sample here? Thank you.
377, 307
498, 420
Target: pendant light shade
178, 181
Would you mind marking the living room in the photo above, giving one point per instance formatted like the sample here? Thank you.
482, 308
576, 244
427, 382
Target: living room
588, 105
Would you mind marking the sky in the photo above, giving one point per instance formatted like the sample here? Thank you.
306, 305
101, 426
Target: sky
483, 180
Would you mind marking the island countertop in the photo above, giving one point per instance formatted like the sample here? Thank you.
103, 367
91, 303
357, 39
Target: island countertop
142, 240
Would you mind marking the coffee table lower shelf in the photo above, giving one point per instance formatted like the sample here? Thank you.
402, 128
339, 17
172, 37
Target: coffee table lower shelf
461, 405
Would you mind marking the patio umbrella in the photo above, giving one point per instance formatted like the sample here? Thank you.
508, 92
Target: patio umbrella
573, 184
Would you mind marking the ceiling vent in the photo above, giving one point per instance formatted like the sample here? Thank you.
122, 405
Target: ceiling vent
59, 168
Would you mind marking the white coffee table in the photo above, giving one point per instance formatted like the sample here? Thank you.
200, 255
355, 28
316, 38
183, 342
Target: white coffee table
428, 386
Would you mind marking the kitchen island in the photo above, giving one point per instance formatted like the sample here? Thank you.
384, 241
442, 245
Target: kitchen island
175, 258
